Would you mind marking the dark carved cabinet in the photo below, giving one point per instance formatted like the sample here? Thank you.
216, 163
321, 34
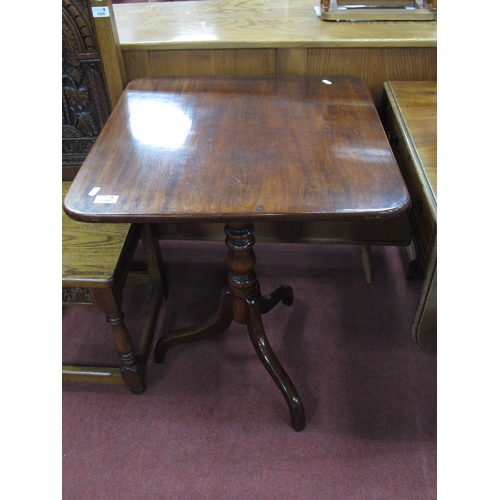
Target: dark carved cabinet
85, 101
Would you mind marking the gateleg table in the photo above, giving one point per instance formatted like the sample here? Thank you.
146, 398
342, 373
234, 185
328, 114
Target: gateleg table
238, 150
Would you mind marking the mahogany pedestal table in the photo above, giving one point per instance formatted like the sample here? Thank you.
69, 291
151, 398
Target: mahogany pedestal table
239, 150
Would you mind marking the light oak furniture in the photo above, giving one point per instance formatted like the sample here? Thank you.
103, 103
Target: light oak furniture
411, 124
239, 150
96, 260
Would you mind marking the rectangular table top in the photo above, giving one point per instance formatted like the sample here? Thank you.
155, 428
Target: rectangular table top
239, 149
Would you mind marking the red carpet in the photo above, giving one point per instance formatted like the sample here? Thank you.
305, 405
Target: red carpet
213, 425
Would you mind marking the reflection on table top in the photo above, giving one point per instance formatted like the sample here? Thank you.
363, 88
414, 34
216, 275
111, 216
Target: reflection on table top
237, 149
256, 24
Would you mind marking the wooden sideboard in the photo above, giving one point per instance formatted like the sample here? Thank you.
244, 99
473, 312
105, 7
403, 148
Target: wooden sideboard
265, 37
410, 119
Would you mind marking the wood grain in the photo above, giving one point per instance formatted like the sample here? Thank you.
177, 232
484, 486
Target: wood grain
372, 65
110, 50
237, 149
375, 65
222, 24
416, 103
90, 253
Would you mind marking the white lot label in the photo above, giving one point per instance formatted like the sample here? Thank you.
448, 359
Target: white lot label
100, 11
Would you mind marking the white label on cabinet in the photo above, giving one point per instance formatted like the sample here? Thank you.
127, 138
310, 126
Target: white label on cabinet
112, 198
100, 11
94, 191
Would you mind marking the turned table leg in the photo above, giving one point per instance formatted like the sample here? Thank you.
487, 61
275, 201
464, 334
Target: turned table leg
131, 367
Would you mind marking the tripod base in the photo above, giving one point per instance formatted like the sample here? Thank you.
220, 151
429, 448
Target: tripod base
242, 301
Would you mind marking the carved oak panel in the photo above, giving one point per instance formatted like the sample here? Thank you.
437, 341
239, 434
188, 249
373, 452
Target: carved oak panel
73, 296
85, 101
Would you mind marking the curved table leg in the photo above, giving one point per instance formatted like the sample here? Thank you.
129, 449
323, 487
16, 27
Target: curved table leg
282, 293
272, 365
216, 325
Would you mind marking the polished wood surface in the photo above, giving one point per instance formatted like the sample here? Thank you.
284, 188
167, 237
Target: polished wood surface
416, 104
237, 150
260, 148
374, 65
250, 24
411, 123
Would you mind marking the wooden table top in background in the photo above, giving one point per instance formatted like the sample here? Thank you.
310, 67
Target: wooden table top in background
219, 24
238, 149
416, 103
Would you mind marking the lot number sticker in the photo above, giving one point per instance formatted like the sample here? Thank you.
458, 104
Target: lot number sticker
100, 11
